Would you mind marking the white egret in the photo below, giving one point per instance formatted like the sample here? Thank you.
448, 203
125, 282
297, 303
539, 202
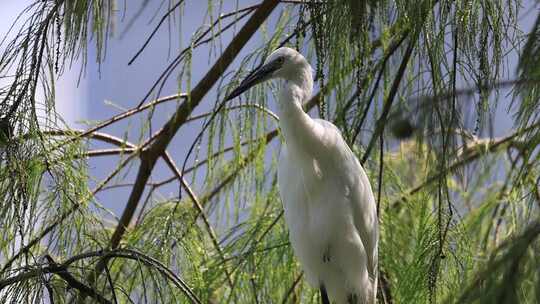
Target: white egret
329, 205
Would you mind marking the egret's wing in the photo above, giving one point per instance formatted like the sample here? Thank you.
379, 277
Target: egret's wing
365, 217
361, 195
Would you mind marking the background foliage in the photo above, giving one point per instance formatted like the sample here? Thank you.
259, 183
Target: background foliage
413, 85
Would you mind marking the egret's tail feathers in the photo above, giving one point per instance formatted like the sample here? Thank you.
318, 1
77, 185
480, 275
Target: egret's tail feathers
373, 295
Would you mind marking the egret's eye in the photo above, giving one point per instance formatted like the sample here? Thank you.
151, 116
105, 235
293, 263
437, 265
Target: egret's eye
281, 60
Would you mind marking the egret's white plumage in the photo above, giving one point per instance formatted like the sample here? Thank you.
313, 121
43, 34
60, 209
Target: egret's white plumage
329, 205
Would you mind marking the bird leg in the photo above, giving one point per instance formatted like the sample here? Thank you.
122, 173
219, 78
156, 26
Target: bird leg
324, 296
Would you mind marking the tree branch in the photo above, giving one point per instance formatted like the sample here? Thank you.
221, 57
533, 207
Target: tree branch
200, 210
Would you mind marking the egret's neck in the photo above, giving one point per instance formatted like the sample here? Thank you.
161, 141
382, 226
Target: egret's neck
303, 79
295, 92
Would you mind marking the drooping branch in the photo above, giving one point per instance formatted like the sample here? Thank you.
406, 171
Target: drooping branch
65, 215
61, 269
75, 283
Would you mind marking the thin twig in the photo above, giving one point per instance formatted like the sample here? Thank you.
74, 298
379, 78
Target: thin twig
168, 160
121, 116
163, 18
291, 289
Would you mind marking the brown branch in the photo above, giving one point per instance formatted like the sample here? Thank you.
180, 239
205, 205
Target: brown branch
104, 137
160, 140
107, 152
123, 115
291, 289
126, 147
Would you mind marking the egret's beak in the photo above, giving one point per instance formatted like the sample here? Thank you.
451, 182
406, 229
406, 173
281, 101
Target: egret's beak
259, 75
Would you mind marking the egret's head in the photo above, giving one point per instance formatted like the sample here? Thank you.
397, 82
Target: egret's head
284, 63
